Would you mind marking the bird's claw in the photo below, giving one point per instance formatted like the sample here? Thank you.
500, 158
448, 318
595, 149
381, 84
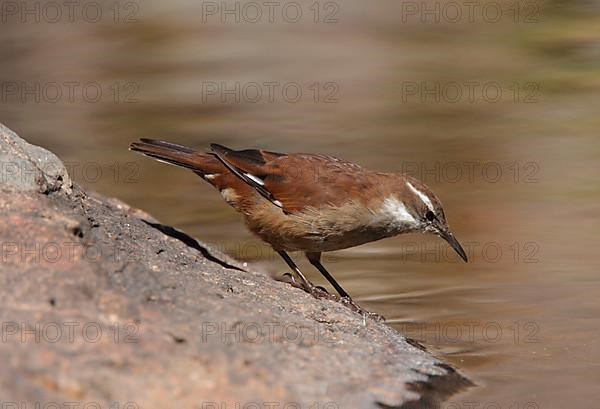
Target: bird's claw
293, 281
316, 291
349, 302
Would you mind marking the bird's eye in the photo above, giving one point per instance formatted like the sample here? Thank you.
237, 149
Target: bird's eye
430, 216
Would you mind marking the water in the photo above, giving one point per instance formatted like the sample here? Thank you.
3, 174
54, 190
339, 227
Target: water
517, 172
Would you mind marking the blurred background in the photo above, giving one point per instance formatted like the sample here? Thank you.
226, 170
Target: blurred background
493, 104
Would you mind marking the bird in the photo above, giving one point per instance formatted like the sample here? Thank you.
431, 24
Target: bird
312, 203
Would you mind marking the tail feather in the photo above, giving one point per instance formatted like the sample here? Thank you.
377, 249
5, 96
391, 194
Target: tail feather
205, 164
178, 155
166, 144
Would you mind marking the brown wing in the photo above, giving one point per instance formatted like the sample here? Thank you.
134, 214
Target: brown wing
248, 165
296, 181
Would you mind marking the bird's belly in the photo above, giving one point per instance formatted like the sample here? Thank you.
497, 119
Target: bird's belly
343, 240
314, 230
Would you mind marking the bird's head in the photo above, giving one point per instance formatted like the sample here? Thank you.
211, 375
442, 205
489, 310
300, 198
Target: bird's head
417, 209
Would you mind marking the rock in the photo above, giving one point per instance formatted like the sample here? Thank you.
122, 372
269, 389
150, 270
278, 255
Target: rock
26, 167
102, 304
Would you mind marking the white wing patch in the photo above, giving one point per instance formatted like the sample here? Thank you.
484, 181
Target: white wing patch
255, 179
421, 195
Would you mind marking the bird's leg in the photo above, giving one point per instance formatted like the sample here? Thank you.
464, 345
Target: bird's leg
315, 260
304, 283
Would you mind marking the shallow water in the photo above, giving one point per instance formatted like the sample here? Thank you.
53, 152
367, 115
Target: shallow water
518, 173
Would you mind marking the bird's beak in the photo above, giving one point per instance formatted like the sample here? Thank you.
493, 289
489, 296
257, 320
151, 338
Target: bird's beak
449, 237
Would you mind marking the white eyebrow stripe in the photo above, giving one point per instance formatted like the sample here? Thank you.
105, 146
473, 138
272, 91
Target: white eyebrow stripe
421, 195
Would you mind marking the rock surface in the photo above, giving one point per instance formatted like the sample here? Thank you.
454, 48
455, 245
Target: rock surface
100, 304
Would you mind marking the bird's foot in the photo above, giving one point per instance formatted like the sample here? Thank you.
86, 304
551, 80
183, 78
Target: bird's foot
350, 303
319, 293
315, 290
